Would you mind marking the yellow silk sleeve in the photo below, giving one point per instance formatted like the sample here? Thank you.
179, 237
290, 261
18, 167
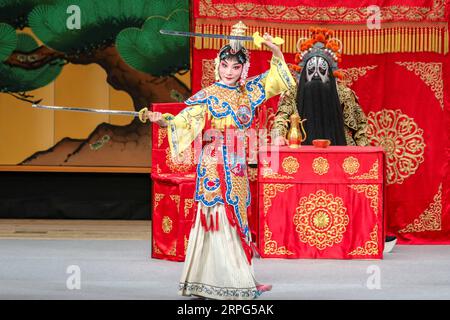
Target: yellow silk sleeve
279, 78
183, 128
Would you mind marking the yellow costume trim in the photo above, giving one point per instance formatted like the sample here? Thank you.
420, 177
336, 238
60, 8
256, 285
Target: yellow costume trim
184, 127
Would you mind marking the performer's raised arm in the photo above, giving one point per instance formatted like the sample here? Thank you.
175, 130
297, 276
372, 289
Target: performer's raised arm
183, 128
278, 79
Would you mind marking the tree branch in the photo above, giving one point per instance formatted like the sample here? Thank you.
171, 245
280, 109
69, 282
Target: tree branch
34, 59
142, 87
24, 97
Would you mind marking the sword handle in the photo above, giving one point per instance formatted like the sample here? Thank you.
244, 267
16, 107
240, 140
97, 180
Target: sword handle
258, 40
143, 115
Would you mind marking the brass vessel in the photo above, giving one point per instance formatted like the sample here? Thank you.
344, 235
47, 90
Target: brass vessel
295, 136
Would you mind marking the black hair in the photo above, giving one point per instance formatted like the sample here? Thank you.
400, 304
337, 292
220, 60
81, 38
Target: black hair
227, 52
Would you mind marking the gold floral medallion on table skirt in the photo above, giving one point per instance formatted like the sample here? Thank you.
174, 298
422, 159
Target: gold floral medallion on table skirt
270, 192
166, 224
188, 204
183, 163
290, 165
401, 138
371, 174
370, 247
173, 251
320, 166
176, 199
162, 134
268, 172
350, 165
370, 192
158, 198
271, 246
321, 220
155, 248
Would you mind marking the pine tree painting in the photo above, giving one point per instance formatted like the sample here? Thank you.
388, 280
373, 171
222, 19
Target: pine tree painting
121, 36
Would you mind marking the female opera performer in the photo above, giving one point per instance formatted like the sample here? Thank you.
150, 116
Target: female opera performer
218, 261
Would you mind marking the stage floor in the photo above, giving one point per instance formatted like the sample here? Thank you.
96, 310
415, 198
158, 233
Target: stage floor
75, 229
39, 268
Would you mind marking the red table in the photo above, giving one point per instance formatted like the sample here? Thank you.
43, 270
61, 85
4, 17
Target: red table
172, 194
321, 203
173, 215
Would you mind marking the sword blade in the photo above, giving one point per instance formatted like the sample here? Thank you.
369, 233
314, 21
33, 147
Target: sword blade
103, 111
204, 35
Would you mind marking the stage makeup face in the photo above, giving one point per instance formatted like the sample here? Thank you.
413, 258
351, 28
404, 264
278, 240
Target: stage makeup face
230, 71
317, 68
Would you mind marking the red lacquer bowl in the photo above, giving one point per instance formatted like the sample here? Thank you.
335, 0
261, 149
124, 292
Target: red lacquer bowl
321, 143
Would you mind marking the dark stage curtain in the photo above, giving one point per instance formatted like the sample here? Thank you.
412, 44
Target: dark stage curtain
74, 195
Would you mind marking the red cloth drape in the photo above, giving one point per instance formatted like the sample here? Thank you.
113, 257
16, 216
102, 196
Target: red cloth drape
405, 96
330, 11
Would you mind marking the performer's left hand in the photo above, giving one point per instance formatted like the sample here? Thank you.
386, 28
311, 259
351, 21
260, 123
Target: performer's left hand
275, 49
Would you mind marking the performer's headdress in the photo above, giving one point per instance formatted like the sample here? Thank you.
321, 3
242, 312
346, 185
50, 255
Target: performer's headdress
320, 44
237, 50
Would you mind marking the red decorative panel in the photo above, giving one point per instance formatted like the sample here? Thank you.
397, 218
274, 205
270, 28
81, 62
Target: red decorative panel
321, 203
173, 215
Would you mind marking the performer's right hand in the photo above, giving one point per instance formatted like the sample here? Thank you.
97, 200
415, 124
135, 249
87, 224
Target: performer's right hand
157, 118
279, 141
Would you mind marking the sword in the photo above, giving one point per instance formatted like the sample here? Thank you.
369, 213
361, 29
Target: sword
256, 38
140, 114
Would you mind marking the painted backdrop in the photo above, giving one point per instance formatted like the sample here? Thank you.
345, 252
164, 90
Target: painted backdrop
105, 54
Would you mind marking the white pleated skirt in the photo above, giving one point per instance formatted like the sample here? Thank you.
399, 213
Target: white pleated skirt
216, 266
